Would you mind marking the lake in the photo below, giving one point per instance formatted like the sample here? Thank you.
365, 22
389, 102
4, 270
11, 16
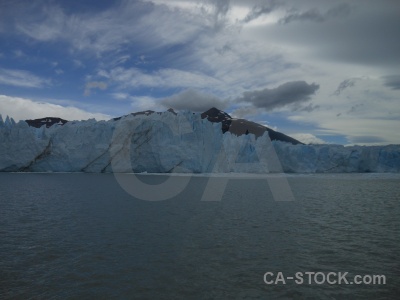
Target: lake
80, 236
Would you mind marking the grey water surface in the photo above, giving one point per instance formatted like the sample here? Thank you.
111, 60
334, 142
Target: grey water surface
81, 236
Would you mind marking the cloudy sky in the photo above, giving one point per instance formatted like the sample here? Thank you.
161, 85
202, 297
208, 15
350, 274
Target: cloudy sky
320, 71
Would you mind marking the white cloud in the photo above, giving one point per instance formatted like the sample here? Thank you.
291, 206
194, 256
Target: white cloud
21, 78
188, 5
110, 29
245, 111
226, 48
77, 63
141, 103
59, 71
138, 103
193, 100
94, 85
120, 96
165, 78
19, 53
226, 62
366, 113
22, 109
307, 138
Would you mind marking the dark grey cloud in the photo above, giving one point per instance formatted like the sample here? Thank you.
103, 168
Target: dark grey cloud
221, 9
310, 15
358, 33
355, 108
221, 6
314, 14
294, 92
94, 85
224, 49
309, 108
259, 10
392, 81
193, 100
344, 85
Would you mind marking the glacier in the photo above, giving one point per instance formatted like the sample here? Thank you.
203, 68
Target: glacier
174, 143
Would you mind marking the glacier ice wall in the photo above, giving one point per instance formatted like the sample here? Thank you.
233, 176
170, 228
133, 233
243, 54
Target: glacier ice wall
338, 159
165, 142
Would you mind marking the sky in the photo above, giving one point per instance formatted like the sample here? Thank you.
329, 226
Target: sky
321, 71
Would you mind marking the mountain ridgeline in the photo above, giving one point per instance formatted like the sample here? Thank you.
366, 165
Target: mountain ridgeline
214, 115
242, 126
48, 122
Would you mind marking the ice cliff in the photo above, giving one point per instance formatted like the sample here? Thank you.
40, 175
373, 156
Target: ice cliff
165, 142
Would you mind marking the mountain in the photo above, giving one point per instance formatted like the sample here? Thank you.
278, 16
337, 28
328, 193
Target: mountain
145, 112
242, 126
214, 115
172, 142
49, 121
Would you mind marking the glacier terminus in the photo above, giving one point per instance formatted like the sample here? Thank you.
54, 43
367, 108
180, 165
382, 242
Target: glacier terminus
170, 142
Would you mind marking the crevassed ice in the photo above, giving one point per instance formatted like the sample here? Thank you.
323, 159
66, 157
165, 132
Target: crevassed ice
183, 143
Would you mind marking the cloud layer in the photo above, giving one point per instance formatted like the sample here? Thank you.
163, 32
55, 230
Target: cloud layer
392, 81
293, 92
94, 85
305, 66
193, 100
23, 109
21, 78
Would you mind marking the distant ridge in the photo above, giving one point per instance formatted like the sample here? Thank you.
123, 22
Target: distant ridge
242, 126
214, 115
145, 112
49, 121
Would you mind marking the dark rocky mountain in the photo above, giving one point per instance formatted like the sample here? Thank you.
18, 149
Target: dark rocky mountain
49, 121
146, 112
242, 126
215, 115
